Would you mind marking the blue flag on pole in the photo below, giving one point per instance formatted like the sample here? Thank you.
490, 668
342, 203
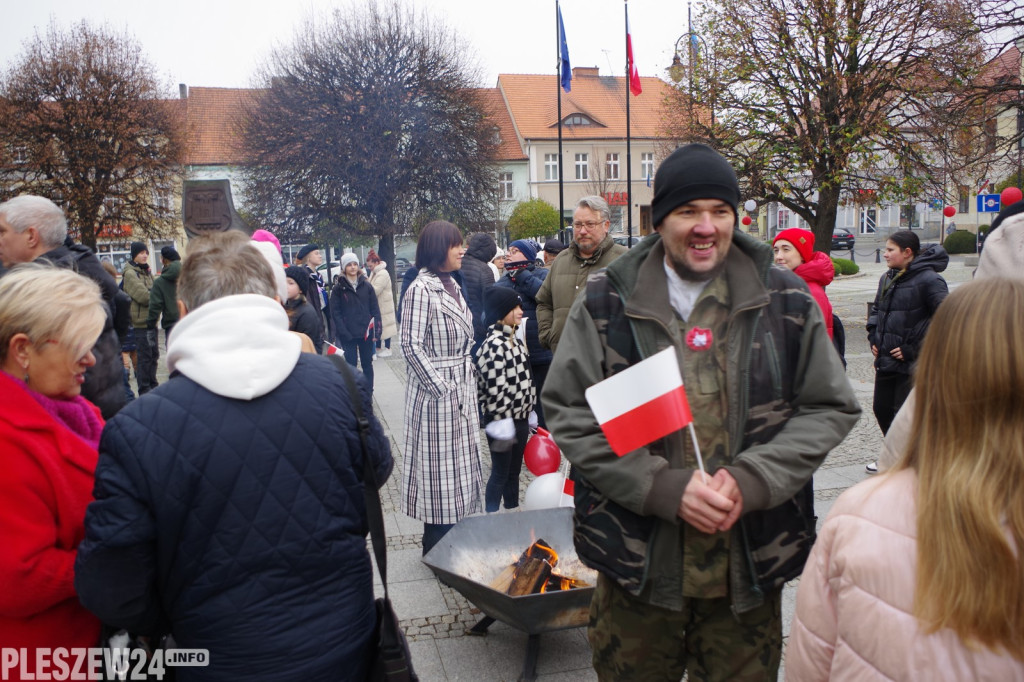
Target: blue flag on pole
565, 69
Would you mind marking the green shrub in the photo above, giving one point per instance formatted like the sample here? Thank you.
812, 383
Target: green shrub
961, 241
845, 266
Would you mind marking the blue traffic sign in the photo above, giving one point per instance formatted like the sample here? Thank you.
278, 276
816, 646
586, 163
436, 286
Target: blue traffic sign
988, 203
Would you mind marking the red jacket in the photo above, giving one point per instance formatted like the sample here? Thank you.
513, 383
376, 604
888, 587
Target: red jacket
819, 273
45, 486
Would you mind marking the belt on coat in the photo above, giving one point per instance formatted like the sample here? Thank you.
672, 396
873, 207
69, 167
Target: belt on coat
467, 407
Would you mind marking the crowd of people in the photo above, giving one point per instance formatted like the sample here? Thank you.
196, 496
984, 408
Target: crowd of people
224, 507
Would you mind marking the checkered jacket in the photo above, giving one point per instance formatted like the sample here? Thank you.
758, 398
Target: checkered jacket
504, 381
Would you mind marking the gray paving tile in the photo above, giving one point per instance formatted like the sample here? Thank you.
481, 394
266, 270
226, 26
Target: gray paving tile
417, 599
426, 660
405, 565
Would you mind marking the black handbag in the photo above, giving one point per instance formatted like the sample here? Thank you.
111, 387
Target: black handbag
390, 660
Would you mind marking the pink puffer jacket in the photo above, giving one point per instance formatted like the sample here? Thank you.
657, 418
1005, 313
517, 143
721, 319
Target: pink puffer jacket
854, 608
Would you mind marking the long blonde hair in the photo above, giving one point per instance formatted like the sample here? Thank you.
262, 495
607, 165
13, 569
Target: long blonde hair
967, 447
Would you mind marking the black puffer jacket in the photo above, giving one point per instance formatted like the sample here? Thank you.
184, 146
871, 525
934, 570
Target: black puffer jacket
527, 283
352, 310
476, 277
103, 385
239, 524
302, 318
903, 309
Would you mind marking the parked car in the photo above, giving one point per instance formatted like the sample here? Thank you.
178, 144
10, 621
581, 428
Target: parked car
624, 239
842, 239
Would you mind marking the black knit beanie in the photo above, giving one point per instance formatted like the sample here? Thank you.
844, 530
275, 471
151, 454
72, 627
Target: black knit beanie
695, 171
498, 302
137, 248
300, 275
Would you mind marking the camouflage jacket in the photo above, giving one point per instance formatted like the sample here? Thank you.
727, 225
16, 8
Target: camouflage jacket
789, 403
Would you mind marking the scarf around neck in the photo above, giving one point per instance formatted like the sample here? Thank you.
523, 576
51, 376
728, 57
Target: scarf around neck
76, 414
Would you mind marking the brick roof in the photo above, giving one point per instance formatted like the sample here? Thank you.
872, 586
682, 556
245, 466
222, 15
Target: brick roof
533, 103
212, 115
497, 112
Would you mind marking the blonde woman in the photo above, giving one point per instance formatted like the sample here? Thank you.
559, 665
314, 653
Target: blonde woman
49, 434
918, 574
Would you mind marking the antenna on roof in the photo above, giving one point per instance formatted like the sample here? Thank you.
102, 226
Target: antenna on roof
607, 55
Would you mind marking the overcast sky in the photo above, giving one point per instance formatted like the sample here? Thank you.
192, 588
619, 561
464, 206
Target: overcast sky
218, 42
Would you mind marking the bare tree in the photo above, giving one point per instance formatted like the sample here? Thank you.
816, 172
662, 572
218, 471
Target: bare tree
369, 124
814, 99
83, 122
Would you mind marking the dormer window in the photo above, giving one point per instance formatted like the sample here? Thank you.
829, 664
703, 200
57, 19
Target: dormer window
578, 120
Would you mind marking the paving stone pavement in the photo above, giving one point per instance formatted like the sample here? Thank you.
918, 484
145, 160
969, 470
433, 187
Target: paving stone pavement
435, 617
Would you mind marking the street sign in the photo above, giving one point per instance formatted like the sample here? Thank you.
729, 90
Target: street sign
988, 203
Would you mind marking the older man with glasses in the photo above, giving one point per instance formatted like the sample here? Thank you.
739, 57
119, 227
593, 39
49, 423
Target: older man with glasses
590, 250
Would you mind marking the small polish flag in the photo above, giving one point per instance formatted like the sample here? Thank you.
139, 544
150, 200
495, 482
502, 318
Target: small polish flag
641, 404
331, 348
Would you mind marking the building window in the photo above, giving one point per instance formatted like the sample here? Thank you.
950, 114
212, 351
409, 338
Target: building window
965, 200
647, 166
505, 185
612, 166
582, 167
551, 166
577, 120
20, 155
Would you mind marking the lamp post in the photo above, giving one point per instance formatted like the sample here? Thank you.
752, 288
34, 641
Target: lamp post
687, 59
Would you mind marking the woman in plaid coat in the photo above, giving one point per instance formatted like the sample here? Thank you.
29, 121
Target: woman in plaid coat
442, 480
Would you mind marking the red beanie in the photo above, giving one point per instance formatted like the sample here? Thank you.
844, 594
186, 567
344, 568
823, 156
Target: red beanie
801, 239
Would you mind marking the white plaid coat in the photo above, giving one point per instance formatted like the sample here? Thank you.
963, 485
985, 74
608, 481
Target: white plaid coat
442, 480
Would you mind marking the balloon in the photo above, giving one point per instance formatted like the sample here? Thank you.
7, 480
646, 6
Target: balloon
541, 455
949, 211
544, 492
746, 220
1010, 196
750, 205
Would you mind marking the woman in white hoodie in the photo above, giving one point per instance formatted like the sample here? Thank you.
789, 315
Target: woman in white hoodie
918, 574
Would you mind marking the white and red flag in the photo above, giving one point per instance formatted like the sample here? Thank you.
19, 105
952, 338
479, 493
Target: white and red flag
634, 75
641, 404
331, 348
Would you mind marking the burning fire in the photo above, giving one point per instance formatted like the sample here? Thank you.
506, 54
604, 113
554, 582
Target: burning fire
533, 573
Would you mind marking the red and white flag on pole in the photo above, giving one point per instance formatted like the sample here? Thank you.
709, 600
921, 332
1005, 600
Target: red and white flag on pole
641, 404
331, 348
634, 75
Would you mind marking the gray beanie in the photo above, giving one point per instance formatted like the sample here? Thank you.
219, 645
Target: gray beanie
695, 171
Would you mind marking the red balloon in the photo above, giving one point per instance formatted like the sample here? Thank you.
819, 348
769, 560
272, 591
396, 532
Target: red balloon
541, 455
1010, 196
949, 211
746, 220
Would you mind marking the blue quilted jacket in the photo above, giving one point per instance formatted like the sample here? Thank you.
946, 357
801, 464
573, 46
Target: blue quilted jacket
239, 526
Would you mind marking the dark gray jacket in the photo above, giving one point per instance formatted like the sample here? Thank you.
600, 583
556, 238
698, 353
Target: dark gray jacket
903, 309
476, 277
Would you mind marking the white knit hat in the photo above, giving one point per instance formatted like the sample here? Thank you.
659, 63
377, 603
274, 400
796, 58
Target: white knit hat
349, 258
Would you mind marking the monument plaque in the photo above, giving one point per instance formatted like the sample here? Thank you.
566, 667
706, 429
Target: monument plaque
207, 207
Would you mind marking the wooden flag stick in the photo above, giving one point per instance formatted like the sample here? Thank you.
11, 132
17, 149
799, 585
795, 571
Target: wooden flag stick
700, 460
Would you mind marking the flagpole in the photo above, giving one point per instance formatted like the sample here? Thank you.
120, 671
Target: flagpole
558, 87
700, 460
629, 155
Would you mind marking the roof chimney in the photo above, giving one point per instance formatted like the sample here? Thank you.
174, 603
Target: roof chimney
182, 91
578, 71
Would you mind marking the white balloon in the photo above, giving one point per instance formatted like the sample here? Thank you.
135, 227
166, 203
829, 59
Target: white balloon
545, 491
750, 205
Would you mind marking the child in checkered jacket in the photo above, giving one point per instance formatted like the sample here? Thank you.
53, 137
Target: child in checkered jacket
506, 394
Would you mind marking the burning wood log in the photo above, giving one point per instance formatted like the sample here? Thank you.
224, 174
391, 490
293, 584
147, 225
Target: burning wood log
532, 573
530, 577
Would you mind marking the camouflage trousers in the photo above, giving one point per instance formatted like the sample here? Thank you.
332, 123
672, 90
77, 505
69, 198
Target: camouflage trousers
632, 640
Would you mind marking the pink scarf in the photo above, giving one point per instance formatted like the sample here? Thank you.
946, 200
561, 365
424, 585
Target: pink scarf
77, 414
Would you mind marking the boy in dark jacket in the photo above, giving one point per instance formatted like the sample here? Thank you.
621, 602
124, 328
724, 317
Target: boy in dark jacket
506, 394
163, 297
477, 277
356, 315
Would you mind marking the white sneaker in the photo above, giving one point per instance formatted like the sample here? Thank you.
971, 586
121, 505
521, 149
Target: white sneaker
384, 353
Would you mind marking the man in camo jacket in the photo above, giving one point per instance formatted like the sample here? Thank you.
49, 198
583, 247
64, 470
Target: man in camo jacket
691, 572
